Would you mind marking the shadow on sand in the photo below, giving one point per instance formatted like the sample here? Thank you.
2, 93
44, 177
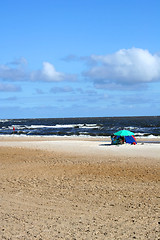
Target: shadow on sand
106, 144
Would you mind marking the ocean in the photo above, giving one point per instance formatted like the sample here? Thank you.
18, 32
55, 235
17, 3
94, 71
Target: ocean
96, 126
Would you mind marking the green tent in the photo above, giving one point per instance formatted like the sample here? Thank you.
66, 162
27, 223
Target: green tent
124, 133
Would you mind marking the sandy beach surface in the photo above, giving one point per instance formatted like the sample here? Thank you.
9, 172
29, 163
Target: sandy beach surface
78, 189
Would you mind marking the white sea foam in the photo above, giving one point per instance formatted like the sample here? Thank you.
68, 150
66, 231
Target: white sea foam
64, 126
131, 128
38, 126
4, 120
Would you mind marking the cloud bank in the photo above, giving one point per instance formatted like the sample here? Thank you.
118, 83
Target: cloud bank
14, 71
125, 67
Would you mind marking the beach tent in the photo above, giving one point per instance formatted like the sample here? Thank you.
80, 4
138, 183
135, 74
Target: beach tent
124, 133
130, 139
128, 136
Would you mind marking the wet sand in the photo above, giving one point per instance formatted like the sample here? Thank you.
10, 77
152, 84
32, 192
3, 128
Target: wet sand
79, 189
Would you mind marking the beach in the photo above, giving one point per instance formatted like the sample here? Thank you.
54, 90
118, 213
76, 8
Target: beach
78, 189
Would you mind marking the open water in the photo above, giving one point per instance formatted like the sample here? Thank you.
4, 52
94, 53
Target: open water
100, 126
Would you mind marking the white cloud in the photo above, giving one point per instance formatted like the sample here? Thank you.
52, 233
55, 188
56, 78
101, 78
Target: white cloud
125, 67
50, 74
18, 73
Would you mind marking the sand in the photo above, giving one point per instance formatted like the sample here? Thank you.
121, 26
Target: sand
78, 189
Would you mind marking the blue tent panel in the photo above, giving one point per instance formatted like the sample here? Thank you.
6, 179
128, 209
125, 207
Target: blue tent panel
130, 139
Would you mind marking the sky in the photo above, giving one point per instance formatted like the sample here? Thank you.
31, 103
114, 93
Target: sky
79, 58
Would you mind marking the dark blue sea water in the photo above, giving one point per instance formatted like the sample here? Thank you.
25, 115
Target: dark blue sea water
100, 126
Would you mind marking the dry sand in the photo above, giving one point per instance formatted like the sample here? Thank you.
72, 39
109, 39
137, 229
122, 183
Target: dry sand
78, 189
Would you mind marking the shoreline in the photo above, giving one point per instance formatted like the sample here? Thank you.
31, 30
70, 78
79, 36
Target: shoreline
51, 137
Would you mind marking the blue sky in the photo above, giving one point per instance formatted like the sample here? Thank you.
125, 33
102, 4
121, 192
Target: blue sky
79, 58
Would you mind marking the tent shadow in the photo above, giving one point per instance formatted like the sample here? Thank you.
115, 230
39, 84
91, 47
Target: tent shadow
107, 144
